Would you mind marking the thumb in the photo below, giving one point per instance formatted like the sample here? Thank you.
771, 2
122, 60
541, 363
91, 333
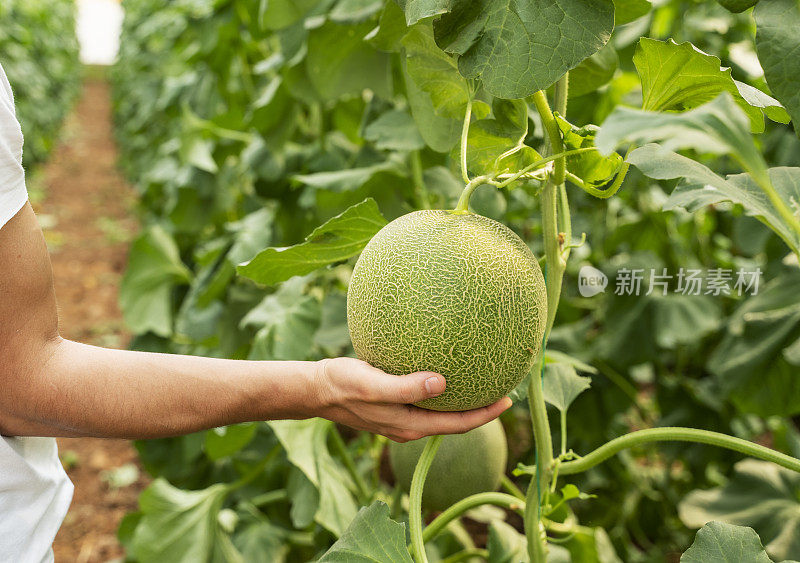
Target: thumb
413, 387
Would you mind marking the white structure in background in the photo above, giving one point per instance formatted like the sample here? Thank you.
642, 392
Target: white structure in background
98, 27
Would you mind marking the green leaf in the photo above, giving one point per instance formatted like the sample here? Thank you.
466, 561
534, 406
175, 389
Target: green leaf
305, 442
391, 29
338, 239
749, 363
681, 77
594, 72
347, 179
517, 48
562, 385
552, 356
227, 440
737, 6
198, 153
506, 544
761, 495
349, 11
145, 294
625, 11
286, 321
777, 22
340, 63
416, 10
252, 233
718, 127
496, 145
263, 543
726, 543
372, 536
394, 130
700, 187
436, 73
440, 133
277, 14
593, 167
179, 525
684, 319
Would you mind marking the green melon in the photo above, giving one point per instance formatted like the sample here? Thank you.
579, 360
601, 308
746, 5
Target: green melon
465, 464
457, 294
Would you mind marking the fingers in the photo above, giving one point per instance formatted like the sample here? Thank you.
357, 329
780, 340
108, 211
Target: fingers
433, 422
405, 389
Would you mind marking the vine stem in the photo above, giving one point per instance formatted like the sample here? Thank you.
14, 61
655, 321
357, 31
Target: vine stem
463, 202
419, 180
464, 138
361, 486
467, 554
415, 508
556, 265
677, 434
473, 501
543, 161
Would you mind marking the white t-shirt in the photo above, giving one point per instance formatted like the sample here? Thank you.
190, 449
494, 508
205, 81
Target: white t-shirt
35, 492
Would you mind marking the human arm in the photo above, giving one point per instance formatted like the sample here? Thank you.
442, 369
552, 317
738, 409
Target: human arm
55, 387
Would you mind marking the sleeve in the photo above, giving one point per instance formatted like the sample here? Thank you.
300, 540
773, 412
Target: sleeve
13, 193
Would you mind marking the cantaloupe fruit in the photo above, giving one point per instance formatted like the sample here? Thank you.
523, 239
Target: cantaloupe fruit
457, 294
465, 464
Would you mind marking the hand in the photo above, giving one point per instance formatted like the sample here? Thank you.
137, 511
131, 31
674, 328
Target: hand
358, 395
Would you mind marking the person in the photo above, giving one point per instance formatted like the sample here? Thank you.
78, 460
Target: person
52, 387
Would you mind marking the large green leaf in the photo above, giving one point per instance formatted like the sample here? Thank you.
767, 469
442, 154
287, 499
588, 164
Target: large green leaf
718, 127
625, 11
592, 167
562, 385
416, 10
777, 22
681, 77
394, 130
338, 239
517, 48
340, 63
435, 72
305, 442
700, 187
179, 525
440, 133
749, 363
277, 14
726, 543
154, 268
262, 542
593, 72
286, 321
761, 495
506, 544
372, 536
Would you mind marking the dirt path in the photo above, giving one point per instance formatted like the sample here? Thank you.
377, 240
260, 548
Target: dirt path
86, 210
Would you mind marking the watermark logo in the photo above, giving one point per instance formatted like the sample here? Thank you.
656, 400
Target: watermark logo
591, 281
686, 281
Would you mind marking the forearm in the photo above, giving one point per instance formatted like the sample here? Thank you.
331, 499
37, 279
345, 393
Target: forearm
72, 389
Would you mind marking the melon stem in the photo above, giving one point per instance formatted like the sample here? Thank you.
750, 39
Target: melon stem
556, 265
415, 502
463, 202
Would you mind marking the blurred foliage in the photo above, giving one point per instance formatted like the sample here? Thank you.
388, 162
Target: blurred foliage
245, 125
39, 53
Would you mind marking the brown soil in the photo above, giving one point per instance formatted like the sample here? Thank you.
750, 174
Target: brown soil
86, 210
